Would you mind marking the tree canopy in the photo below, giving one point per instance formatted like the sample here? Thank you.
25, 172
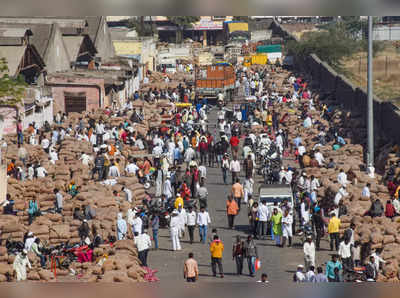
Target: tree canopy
12, 90
184, 21
334, 42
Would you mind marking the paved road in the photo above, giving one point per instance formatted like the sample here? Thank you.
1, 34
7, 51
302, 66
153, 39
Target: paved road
278, 263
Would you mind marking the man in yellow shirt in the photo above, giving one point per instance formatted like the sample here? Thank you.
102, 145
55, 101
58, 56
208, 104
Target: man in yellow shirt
216, 249
333, 230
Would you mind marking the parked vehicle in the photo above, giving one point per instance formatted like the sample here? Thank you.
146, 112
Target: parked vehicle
213, 79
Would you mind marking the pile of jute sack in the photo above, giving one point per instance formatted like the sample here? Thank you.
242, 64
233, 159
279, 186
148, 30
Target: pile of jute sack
378, 232
53, 228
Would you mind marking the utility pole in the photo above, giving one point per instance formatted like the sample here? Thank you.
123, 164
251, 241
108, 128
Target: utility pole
370, 116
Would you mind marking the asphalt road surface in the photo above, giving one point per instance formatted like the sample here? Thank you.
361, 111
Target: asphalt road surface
279, 263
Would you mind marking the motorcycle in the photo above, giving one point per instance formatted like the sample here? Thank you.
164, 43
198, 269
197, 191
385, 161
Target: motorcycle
14, 247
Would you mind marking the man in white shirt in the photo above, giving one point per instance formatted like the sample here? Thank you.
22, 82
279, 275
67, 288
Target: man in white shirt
282, 174
365, 191
203, 220
301, 149
143, 244
41, 172
309, 253
396, 205
157, 150
167, 188
235, 169
263, 215
85, 158
45, 144
310, 275
345, 253
314, 183
189, 155
128, 194
137, 224
342, 177
114, 171
191, 223
131, 168
202, 171
299, 274
319, 157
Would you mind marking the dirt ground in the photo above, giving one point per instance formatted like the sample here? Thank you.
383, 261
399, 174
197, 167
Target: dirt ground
386, 68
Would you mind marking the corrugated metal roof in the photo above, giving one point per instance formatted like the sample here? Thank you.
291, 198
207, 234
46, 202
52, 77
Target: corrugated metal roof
73, 45
13, 32
13, 55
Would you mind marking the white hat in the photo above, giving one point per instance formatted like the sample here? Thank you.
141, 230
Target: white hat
103, 146
175, 212
304, 174
85, 220
282, 167
25, 251
30, 234
332, 212
300, 266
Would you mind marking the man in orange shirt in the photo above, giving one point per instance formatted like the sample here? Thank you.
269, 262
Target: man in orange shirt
231, 210
237, 192
191, 269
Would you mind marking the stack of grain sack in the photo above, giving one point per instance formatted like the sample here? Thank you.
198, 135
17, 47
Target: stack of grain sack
380, 232
56, 228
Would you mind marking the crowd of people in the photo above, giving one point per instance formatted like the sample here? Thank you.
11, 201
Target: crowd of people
175, 176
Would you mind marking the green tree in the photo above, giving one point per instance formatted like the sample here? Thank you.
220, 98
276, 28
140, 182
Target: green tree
12, 89
142, 28
182, 22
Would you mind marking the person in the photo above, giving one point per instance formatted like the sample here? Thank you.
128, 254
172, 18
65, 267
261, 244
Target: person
378, 259
84, 231
319, 226
309, 253
33, 210
9, 206
36, 247
143, 244
155, 225
191, 223
330, 268
320, 277
344, 253
167, 187
376, 209
248, 188
128, 194
276, 221
235, 169
232, 209
59, 200
310, 274
371, 271
299, 275
390, 212
333, 230
20, 263
202, 194
263, 217
365, 191
264, 278
136, 223
338, 277
174, 230
225, 166
237, 254
248, 167
122, 228
251, 254
216, 250
30, 239
203, 220
356, 253
182, 217
191, 269
287, 227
